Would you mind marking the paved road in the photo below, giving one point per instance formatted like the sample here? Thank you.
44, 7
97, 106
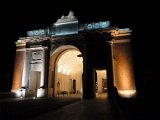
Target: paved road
74, 108
60, 108
22, 109
94, 109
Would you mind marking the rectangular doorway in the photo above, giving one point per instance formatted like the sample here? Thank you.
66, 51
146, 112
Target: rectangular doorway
34, 83
101, 83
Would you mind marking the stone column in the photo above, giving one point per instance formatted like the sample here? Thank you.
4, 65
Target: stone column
18, 67
123, 62
46, 66
43, 90
88, 75
26, 69
109, 69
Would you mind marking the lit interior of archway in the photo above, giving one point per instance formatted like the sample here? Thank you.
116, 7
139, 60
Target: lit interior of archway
69, 72
69, 63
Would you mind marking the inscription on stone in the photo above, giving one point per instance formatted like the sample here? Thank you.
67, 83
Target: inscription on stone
36, 57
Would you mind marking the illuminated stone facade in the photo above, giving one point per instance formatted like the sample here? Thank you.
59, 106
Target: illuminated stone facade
73, 58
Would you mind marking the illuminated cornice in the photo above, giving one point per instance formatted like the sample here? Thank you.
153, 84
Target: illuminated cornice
121, 32
20, 43
119, 41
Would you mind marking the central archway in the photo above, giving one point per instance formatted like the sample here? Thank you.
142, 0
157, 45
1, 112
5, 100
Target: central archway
66, 68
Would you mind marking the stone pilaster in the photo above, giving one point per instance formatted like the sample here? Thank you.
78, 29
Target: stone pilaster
122, 62
19, 63
110, 77
88, 75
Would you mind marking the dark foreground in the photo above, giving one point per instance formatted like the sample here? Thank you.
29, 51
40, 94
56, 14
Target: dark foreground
74, 108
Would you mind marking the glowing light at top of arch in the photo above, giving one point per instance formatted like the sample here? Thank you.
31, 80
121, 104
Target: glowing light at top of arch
69, 62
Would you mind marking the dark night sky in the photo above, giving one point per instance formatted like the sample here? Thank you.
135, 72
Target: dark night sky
18, 18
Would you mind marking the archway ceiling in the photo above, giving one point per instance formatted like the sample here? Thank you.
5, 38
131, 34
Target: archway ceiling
69, 62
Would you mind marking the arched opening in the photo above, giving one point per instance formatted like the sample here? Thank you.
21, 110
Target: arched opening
66, 67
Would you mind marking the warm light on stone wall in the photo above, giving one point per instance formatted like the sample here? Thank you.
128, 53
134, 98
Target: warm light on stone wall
18, 67
123, 63
124, 66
